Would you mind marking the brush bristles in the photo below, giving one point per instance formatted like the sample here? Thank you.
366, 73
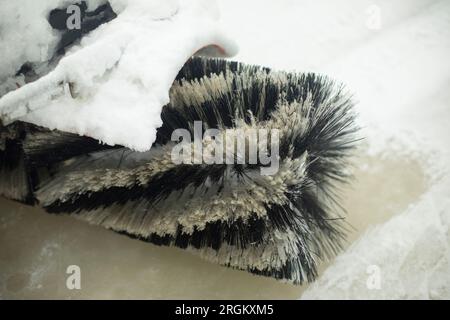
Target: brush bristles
280, 225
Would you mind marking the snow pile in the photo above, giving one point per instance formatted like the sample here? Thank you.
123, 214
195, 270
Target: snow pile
112, 85
402, 79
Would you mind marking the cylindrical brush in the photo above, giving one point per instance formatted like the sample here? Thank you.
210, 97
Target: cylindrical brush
278, 223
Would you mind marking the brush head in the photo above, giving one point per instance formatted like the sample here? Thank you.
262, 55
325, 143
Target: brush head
279, 225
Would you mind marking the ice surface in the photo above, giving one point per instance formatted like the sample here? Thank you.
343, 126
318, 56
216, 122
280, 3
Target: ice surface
119, 75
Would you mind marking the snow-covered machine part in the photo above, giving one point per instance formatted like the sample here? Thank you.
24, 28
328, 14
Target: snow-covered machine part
112, 83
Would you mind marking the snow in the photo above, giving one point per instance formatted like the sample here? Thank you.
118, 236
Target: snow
120, 74
25, 34
400, 75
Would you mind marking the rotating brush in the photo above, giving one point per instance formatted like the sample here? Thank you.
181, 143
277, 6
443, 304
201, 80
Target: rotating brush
280, 225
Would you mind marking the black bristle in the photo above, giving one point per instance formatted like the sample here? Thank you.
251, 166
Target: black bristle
228, 213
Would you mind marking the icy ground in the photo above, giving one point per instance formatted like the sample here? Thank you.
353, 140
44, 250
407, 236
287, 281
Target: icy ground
394, 55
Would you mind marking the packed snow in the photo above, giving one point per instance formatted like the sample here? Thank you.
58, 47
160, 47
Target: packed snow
119, 75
